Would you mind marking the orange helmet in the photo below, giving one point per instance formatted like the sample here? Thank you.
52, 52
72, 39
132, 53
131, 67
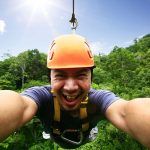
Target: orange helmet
69, 51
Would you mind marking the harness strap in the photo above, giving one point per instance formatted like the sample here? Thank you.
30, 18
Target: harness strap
56, 129
57, 110
83, 116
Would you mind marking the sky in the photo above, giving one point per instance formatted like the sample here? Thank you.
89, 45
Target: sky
33, 24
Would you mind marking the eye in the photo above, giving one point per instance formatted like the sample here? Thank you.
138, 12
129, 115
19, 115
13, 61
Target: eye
82, 76
59, 76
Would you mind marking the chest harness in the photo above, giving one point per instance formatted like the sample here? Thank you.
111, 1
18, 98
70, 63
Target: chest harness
79, 132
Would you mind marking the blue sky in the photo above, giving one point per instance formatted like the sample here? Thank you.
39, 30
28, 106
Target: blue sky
30, 24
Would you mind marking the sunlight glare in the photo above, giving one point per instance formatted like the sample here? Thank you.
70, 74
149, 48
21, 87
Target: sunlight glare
39, 6
40, 11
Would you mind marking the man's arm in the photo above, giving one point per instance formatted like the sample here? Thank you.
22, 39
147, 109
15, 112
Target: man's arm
132, 117
15, 110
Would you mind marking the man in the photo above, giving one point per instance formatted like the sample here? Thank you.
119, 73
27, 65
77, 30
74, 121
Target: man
69, 109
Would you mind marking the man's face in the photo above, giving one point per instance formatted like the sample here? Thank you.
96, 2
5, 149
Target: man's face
71, 86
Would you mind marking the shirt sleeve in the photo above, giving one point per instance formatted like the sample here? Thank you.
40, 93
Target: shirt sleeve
102, 98
39, 94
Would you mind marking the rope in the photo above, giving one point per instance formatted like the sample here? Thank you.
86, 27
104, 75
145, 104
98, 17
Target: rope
73, 20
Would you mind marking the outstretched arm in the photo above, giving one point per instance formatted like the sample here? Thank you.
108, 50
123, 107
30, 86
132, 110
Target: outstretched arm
132, 117
15, 111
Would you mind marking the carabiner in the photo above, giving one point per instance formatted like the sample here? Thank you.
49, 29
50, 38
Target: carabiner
69, 140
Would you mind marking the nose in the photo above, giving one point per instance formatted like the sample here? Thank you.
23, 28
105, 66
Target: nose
70, 85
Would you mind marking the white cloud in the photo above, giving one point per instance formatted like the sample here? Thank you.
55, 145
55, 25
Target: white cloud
96, 47
2, 26
130, 42
99, 48
127, 43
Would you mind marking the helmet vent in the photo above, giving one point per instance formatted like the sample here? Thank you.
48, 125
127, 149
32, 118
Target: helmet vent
51, 53
88, 50
90, 54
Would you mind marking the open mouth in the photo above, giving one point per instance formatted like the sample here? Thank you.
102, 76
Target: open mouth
71, 100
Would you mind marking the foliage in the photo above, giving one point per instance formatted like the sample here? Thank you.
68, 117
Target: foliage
34, 83
126, 69
110, 138
27, 137
27, 66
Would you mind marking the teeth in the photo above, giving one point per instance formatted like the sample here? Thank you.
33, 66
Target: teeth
70, 97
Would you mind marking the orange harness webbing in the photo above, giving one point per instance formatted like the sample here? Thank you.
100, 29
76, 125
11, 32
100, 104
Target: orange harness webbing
83, 115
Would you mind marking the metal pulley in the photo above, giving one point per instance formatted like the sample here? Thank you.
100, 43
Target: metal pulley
73, 20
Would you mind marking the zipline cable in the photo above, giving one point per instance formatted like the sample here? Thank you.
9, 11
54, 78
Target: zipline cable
73, 20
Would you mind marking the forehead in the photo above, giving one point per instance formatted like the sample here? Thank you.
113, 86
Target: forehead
71, 70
